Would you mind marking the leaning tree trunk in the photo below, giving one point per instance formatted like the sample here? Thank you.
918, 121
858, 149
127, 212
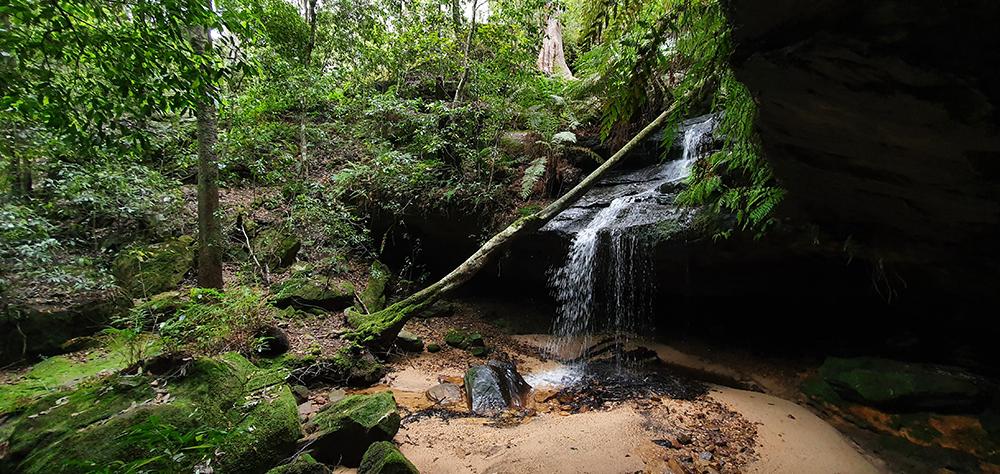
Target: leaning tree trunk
209, 229
552, 57
379, 329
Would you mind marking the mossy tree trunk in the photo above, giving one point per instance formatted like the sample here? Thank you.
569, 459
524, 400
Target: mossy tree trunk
209, 228
380, 328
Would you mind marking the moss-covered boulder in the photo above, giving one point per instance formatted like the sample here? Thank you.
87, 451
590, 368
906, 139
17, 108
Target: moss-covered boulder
152, 269
384, 458
223, 411
276, 248
314, 291
304, 464
27, 331
65, 372
345, 429
351, 365
374, 296
901, 386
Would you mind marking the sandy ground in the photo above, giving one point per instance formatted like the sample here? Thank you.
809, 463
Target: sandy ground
726, 431
792, 439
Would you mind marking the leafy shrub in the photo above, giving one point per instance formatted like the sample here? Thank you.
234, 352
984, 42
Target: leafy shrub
214, 322
110, 198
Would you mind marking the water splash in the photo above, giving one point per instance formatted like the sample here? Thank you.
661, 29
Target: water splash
625, 280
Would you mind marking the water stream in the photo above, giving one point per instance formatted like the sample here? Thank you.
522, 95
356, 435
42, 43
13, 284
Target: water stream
605, 288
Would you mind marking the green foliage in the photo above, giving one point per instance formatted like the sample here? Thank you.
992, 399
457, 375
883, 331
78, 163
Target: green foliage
649, 54
215, 322
736, 179
534, 172
170, 448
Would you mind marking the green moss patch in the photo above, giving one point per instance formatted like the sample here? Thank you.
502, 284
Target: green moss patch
384, 458
64, 372
221, 410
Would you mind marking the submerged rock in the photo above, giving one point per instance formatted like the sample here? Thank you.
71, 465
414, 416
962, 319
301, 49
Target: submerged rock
494, 387
384, 458
318, 291
222, 409
345, 429
902, 386
153, 269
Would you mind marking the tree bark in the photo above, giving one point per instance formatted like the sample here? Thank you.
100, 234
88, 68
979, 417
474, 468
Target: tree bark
552, 57
468, 46
379, 329
209, 229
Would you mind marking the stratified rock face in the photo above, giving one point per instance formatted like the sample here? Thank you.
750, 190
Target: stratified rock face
880, 117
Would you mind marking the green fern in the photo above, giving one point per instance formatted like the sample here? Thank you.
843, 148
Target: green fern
532, 174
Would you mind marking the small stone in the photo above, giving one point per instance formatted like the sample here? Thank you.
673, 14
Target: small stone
409, 342
479, 351
301, 393
705, 456
336, 395
683, 438
432, 347
306, 409
445, 393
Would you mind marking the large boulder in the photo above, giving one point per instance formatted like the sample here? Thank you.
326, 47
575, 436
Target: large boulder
902, 386
153, 269
494, 387
384, 458
345, 429
34, 329
222, 412
314, 291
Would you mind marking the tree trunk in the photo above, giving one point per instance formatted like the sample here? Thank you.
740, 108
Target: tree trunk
209, 229
552, 57
379, 329
310, 14
468, 46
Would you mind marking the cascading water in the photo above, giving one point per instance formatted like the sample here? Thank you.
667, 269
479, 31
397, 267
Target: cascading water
608, 255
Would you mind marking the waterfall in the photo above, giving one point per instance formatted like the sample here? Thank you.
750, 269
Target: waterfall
609, 257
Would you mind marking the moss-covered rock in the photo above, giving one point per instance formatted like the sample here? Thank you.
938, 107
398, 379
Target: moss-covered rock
222, 409
409, 342
901, 386
352, 365
433, 347
316, 291
384, 458
346, 428
27, 331
304, 464
152, 269
276, 248
463, 339
61, 372
374, 296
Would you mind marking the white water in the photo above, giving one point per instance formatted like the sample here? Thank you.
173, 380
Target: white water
628, 281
